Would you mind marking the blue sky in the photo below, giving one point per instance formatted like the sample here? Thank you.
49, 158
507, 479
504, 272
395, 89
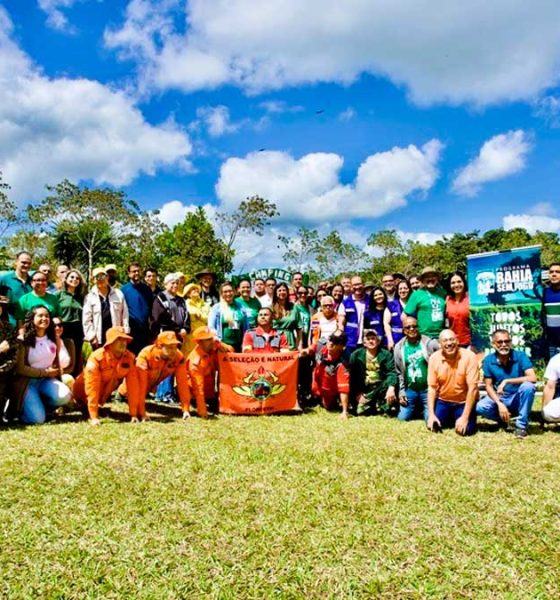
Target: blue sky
427, 117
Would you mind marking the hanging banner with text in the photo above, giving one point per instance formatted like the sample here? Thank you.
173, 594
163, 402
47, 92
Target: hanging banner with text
505, 292
258, 383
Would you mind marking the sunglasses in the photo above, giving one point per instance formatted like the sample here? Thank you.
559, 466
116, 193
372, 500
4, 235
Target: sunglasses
411, 327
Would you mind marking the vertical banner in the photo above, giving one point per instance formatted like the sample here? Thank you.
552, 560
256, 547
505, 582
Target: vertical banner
258, 383
505, 292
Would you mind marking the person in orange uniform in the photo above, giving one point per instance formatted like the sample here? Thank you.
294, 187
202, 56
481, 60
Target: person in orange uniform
157, 362
104, 371
202, 366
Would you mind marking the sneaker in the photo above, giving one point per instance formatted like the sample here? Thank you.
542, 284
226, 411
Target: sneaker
520, 433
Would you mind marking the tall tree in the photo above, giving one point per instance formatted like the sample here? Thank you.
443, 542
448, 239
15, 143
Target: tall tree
192, 246
8, 218
92, 220
253, 215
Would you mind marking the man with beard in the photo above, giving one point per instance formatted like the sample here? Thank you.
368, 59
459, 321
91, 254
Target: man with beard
510, 380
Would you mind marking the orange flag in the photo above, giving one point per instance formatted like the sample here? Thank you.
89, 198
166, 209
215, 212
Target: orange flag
258, 383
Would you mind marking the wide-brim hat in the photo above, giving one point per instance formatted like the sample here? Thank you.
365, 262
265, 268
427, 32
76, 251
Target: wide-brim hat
428, 271
99, 271
189, 288
205, 272
117, 333
202, 333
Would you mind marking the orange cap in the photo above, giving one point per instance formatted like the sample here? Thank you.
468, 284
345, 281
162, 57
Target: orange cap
202, 333
115, 333
166, 338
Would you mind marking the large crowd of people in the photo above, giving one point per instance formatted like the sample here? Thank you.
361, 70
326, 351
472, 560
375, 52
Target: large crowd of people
400, 348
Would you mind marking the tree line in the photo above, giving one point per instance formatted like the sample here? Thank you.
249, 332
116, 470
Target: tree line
85, 227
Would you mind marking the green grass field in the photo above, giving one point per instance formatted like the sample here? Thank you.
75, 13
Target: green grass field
277, 507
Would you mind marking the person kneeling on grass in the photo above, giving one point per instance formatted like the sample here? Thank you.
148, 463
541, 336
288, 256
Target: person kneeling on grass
373, 379
551, 392
202, 367
104, 371
411, 361
452, 386
510, 380
331, 378
157, 362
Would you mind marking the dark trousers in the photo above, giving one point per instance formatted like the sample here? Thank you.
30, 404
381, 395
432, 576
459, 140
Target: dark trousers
449, 412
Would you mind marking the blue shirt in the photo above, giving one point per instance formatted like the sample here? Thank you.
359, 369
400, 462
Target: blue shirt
139, 299
516, 366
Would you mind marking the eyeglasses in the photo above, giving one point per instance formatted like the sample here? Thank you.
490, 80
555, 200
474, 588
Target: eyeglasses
502, 342
58, 325
411, 327
326, 305
302, 293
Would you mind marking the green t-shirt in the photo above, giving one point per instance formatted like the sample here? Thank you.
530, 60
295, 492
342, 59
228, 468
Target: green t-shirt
303, 322
429, 310
70, 307
251, 309
232, 329
31, 300
416, 367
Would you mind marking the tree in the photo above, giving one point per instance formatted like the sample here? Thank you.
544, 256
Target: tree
252, 215
300, 250
8, 217
192, 246
89, 221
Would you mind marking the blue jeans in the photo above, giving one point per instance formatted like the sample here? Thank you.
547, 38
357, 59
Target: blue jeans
518, 403
416, 402
165, 388
41, 393
449, 412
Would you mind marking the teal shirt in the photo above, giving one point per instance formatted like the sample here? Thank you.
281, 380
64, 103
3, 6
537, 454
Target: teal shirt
303, 322
14, 288
31, 300
251, 309
416, 366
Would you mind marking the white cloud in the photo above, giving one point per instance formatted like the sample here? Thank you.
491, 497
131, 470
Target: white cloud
423, 237
279, 107
347, 115
217, 120
476, 52
78, 129
548, 108
173, 212
309, 188
56, 19
499, 157
532, 223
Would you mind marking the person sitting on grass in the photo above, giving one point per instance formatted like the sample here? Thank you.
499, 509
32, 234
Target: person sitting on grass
202, 367
158, 361
411, 362
373, 379
331, 378
510, 380
452, 387
105, 369
264, 338
39, 366
551, 391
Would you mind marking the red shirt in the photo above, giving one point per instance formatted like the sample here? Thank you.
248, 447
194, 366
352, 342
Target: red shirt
330, 377
458, 314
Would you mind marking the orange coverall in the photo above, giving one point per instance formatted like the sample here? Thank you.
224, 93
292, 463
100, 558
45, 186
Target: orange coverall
202, 368
152, 368
100, 378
